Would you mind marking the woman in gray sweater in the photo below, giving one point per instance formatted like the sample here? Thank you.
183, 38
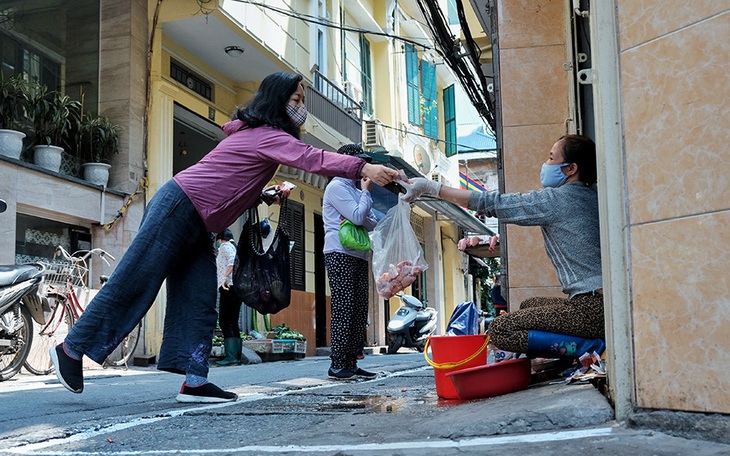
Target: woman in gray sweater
566, 210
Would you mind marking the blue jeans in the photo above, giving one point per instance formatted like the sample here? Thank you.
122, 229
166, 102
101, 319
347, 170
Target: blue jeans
172, 243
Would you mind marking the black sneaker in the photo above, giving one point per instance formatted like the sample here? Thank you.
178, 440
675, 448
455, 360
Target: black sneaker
205, 393
362, 373
340, 374
70, 371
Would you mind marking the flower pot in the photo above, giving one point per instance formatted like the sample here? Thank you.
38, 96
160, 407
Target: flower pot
96, 173
48, 157
11, 143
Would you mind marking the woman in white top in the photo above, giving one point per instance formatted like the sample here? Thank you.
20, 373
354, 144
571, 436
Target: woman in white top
229, 304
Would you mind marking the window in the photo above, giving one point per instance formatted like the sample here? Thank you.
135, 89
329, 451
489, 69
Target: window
452, 12
450, 120
191, 80
430, 106
343, 40
413, 83
352, 54
55, 43
295, 224
366, 78
37, 238
21, 58
321, 39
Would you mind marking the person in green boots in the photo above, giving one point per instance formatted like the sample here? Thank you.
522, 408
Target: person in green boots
566, 210
230, 305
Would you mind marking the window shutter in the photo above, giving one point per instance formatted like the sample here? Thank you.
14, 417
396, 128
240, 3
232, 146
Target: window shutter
450, 120
366, 75
295, 225
414, 85
430, 107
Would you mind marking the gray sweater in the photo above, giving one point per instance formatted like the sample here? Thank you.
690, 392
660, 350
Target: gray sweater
568, 217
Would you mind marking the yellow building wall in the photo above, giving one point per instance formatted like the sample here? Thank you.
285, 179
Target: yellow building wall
454, 290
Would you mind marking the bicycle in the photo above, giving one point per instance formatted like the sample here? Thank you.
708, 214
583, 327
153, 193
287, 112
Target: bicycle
60, 283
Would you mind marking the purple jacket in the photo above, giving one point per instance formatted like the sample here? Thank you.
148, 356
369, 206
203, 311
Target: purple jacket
230, 178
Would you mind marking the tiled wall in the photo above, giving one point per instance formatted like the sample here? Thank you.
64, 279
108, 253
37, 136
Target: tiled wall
534, 88
676, 117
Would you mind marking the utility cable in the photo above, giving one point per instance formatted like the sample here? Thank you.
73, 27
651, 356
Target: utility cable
327, 23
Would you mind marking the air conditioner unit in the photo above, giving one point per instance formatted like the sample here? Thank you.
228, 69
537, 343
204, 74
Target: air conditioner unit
374, 136
353, 91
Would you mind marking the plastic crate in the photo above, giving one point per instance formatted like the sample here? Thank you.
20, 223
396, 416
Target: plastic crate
259, 345
277, 349
283, 346
300, 346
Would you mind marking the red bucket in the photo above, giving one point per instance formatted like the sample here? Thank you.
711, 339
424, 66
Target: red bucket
492, 380
453, 353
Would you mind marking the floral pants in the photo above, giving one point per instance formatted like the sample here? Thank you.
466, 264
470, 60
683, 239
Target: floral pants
580, 316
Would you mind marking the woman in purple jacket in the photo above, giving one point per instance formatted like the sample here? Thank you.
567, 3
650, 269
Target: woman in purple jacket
174, 241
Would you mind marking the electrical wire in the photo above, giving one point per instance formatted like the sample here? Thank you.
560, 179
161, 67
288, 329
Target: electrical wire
327, 23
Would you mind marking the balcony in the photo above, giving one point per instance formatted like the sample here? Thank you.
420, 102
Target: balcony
332, 106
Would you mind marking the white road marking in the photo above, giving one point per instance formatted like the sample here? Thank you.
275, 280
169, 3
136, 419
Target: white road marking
542, 437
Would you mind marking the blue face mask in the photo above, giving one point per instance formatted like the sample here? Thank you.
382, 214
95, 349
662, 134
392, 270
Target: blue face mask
552, 175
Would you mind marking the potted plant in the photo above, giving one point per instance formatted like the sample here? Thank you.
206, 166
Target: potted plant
14, 102
55, 115
99, 140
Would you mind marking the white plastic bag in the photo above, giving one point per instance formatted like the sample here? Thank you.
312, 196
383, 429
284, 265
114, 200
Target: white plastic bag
397, 255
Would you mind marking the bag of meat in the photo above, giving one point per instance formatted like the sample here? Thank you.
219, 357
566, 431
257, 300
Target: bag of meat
397, 255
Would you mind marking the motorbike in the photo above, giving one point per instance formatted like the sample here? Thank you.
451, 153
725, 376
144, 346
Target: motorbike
411, 324
20, 302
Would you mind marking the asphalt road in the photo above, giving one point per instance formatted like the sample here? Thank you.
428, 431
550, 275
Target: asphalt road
290, 407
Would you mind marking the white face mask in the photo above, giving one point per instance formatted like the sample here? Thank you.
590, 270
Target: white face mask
297, 114
552, 175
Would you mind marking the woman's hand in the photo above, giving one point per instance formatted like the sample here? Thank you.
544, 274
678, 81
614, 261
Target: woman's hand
366, 184
273, 194
420, 186
379, 174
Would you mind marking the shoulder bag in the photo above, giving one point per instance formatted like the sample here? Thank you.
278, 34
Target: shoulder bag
262, 279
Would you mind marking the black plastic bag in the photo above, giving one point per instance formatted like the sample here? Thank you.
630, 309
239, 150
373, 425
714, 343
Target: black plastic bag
262, 279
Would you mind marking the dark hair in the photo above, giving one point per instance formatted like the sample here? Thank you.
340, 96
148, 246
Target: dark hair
354, 150
226, 235
581, 150
268, 105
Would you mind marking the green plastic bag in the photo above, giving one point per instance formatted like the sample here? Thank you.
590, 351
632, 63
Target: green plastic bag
353, 236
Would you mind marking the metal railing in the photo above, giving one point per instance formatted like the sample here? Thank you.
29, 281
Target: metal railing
334, 107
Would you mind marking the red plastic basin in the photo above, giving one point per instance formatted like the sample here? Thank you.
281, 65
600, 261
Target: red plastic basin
492, 380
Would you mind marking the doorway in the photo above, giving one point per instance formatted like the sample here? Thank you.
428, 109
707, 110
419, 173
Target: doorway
320, 286
193, 137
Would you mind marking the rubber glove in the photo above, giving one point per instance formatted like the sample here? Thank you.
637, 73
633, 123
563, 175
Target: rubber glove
420, 186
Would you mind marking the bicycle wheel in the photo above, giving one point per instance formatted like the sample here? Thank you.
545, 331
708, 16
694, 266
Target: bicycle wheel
47, 336
13, 354
124, 351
